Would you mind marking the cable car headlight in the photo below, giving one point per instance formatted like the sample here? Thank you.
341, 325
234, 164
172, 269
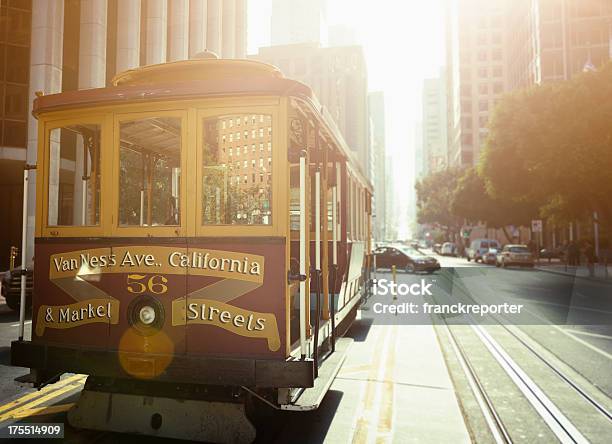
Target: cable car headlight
147, 315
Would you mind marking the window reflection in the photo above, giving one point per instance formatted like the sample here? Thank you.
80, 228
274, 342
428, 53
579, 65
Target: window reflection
236, 187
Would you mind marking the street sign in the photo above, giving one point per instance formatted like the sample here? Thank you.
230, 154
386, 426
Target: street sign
536, 225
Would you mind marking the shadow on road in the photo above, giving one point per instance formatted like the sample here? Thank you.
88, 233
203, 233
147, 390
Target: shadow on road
359, 330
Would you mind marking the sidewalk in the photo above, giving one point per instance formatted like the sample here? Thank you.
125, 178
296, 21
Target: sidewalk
600, 272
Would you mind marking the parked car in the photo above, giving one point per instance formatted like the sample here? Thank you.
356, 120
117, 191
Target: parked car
11, 288
478, 247
405, 258
437, 248
448, 249
515, 254
490, 257
553, 253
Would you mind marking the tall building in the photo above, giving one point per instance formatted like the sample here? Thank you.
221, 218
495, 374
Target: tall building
298, 21
61, 45
338, 77
435, 151
376, 104
419, 154
477, 73
499, 46
555, 39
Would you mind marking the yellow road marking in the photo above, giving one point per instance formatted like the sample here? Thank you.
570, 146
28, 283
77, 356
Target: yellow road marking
385, 419
48, 410
355, 369
33, 395
40, 400
361, 430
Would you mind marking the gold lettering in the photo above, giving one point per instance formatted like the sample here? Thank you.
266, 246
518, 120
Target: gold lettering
127, 259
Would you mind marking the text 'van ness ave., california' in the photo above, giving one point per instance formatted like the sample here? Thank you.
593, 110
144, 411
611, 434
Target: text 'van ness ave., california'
133, 258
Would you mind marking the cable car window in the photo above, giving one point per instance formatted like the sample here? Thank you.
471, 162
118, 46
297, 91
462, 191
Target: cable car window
74, 176
150, 172
226, 201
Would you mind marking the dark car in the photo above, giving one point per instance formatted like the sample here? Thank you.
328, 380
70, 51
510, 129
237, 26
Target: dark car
405, 258
553, 253
11, 287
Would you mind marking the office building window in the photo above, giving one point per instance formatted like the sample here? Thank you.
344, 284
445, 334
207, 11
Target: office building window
15, 28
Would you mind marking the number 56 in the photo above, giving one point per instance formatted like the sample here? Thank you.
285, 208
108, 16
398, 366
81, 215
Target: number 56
155, 284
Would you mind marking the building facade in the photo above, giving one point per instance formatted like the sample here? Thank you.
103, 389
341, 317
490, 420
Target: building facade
298, 21
499, 46
435, 148
376, 104
556, 39
338, 77
477, 73
62, 45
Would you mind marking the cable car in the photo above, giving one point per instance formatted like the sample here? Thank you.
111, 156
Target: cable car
201, 246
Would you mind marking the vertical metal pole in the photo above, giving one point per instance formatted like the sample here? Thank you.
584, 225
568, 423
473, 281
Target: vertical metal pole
334, 226
317, 265
141, 207
339, 186
84, 202
394, 274
318, 220
24, 241
332, 293
303, 307
87, 141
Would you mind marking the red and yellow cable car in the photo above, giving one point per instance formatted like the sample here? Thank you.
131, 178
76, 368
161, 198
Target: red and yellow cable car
201, 244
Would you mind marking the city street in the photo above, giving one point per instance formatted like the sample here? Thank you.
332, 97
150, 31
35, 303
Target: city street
439, 379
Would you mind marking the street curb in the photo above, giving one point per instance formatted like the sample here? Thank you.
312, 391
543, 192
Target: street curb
561, 273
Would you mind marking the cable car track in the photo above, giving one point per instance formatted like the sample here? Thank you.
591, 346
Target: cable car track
558, 423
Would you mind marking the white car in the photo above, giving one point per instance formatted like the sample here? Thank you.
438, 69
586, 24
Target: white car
448, 249
479, 247
515, 255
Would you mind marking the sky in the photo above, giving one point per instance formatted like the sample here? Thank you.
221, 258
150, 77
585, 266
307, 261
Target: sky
403, 43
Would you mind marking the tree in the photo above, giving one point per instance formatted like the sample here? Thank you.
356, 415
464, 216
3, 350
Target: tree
472, 202
434, 199
550, 146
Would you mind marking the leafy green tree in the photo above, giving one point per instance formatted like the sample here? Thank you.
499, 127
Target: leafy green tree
434, 199
550, 146
472, 202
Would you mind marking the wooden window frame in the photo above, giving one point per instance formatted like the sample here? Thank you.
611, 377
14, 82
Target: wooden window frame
106, 154
161, 230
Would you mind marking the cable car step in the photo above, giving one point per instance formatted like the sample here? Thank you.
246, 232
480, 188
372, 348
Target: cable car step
311, 398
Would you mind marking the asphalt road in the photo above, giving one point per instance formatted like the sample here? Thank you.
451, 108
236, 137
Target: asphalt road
403, 380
